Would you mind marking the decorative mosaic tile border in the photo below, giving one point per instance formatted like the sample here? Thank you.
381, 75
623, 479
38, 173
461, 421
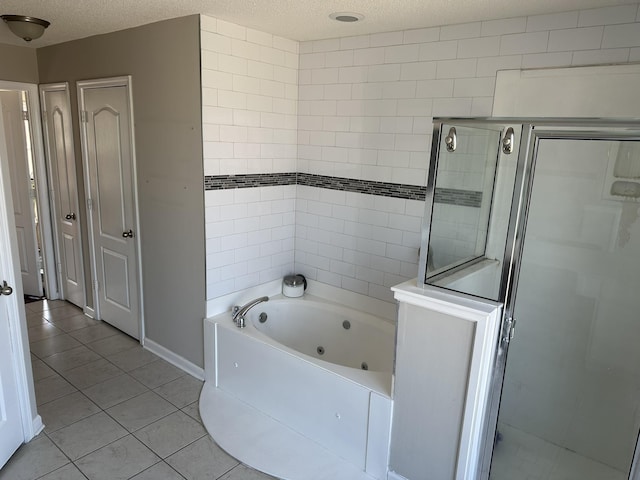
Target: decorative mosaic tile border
461, 198
384, 189
226, 182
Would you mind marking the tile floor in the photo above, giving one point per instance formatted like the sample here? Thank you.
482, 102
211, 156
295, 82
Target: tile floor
111, 409
520, 455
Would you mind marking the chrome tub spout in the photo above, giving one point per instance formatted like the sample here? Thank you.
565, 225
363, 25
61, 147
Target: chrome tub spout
238, 312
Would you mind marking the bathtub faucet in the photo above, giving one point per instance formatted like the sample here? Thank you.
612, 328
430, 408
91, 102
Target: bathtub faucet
238, 312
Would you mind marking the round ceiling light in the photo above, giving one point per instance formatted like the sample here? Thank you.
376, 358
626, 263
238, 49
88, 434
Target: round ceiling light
347, 17
27, 28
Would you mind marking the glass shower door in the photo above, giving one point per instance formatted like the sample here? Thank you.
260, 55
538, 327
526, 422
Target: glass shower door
570, 406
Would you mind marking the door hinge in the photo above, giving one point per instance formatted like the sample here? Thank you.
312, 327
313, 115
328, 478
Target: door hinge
89, 204
25, 115
508, 330
96, 286
83, 116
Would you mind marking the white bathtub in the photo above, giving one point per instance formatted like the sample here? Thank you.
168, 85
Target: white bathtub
302, 369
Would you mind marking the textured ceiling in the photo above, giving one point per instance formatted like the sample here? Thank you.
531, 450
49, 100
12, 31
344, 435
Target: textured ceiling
294, 19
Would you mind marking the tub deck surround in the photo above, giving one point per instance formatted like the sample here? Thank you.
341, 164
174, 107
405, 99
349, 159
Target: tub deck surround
248, 434
262, 396
444, 358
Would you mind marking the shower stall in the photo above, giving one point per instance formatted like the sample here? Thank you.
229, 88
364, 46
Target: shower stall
543, 215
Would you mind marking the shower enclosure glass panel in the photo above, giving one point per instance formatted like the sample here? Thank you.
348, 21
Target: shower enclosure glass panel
570, 405
468, 206
462, 200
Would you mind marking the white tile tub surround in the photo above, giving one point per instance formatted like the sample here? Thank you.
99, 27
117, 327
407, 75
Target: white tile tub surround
366, 105
249, 100
362, 107
250, 237
357, 242
249, 108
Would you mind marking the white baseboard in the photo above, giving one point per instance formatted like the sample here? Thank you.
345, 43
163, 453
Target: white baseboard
36, 427
89, 312
395, 476
174, 359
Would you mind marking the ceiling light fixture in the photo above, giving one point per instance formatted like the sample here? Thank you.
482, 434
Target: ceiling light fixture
347, 17
27, 28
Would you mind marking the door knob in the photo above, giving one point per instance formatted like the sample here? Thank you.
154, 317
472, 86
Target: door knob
128, 234
5, 289
70, 216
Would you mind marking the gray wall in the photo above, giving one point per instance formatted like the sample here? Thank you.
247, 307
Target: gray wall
433, 356
164, 61
18, 64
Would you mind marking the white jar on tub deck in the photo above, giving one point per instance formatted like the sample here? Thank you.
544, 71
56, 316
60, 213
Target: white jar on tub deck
294, 285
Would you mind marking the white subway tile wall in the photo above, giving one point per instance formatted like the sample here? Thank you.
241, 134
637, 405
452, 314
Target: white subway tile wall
249, 115
362, 107
249, 100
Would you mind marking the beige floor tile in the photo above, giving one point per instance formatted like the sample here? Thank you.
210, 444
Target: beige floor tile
94, 332
157, 373
171, 433
202, 460
119, 460
74, 322
34, 459
140, 411
87, 435
69, 359
68, 472
242, 472
193, 411
181, 391
92, 373
113, 344
133, 358
50, 388
66, 410
35, 319
63, 311
40, 369
45, 305
42, 331
115, 390
160, 471
57, 344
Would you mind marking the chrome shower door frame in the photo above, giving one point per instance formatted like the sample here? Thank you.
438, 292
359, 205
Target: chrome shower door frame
533, 131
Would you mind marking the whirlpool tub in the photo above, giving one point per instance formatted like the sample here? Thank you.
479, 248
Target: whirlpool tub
303, 391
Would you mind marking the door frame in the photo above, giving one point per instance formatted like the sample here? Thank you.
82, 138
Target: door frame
81, 86
535, 131
42, 188
57, 87
10, 271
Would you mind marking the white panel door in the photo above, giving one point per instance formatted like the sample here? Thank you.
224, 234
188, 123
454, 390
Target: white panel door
11, 435
64, 187
15, 141
108, 151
